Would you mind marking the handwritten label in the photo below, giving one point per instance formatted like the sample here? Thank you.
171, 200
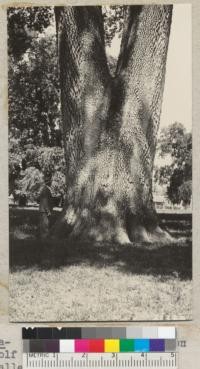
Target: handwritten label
8, 356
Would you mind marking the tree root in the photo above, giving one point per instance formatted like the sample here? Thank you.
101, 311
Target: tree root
87, 229
154, 236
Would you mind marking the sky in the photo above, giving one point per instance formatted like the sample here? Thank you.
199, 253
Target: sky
177, 99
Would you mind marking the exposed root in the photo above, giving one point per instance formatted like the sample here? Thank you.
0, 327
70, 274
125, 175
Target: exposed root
95, 234
86, 227
154, 236
122, 237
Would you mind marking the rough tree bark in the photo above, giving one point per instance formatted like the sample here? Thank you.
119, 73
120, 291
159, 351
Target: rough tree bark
110, 124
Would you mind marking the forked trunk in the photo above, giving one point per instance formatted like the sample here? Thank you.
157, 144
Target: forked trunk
110, 124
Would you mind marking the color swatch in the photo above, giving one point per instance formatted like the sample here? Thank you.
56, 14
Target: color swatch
99, 340
99, 345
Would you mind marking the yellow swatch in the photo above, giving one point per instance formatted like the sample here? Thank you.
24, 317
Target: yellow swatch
111, 345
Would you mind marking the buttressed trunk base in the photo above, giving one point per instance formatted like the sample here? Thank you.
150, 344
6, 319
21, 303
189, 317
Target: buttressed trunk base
110, 124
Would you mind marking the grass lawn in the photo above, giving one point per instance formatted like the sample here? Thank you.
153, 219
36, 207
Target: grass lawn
58, 282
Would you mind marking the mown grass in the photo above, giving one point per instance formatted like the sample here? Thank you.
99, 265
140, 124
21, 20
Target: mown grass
57, 281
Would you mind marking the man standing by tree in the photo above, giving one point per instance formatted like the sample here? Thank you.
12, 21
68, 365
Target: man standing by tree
45, 206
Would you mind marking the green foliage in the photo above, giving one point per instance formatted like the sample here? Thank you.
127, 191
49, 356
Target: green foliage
35, 138
24, 24
112, 64
185, 192
179, 190
30, 183
28, 167
113, 17
162, 174
15, 157
58, 185
175, 181
33, 89
46, 159
175, 142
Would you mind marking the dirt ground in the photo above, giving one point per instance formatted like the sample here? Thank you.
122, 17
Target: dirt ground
56, 281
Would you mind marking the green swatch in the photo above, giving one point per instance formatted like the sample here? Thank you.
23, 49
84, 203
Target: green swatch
126, 345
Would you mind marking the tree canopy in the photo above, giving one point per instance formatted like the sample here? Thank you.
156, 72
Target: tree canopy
34, 107
113, 17
24, 24
176, 143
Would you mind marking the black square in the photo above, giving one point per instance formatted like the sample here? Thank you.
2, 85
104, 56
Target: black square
59, 333
44, 333
73, 333
29, 333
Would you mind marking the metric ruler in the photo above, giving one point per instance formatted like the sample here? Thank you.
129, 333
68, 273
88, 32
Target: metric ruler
164, 360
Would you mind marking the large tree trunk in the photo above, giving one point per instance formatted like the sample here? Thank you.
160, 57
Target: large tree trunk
110, 124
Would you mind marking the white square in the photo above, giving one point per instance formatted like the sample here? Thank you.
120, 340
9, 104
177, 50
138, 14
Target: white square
67, 346
167, 332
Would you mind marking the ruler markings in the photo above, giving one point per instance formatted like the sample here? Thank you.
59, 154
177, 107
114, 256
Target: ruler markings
109, 360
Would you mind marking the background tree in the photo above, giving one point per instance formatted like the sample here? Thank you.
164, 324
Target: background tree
40, 161
15, 158
24, 24
34, 103
34, 93
110, 124
185, 192
176, 143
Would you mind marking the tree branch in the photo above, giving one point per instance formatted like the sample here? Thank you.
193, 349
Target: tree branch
141, 68
85, 80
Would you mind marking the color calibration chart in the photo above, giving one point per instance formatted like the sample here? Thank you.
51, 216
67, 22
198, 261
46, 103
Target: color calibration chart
90, 348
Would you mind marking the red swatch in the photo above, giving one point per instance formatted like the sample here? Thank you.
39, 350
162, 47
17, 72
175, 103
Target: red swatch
96, 345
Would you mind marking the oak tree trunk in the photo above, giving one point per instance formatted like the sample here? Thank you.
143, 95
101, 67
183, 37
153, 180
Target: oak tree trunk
110, 124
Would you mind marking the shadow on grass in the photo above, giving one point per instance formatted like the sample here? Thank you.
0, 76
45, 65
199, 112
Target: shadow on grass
173, 260
170, 260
